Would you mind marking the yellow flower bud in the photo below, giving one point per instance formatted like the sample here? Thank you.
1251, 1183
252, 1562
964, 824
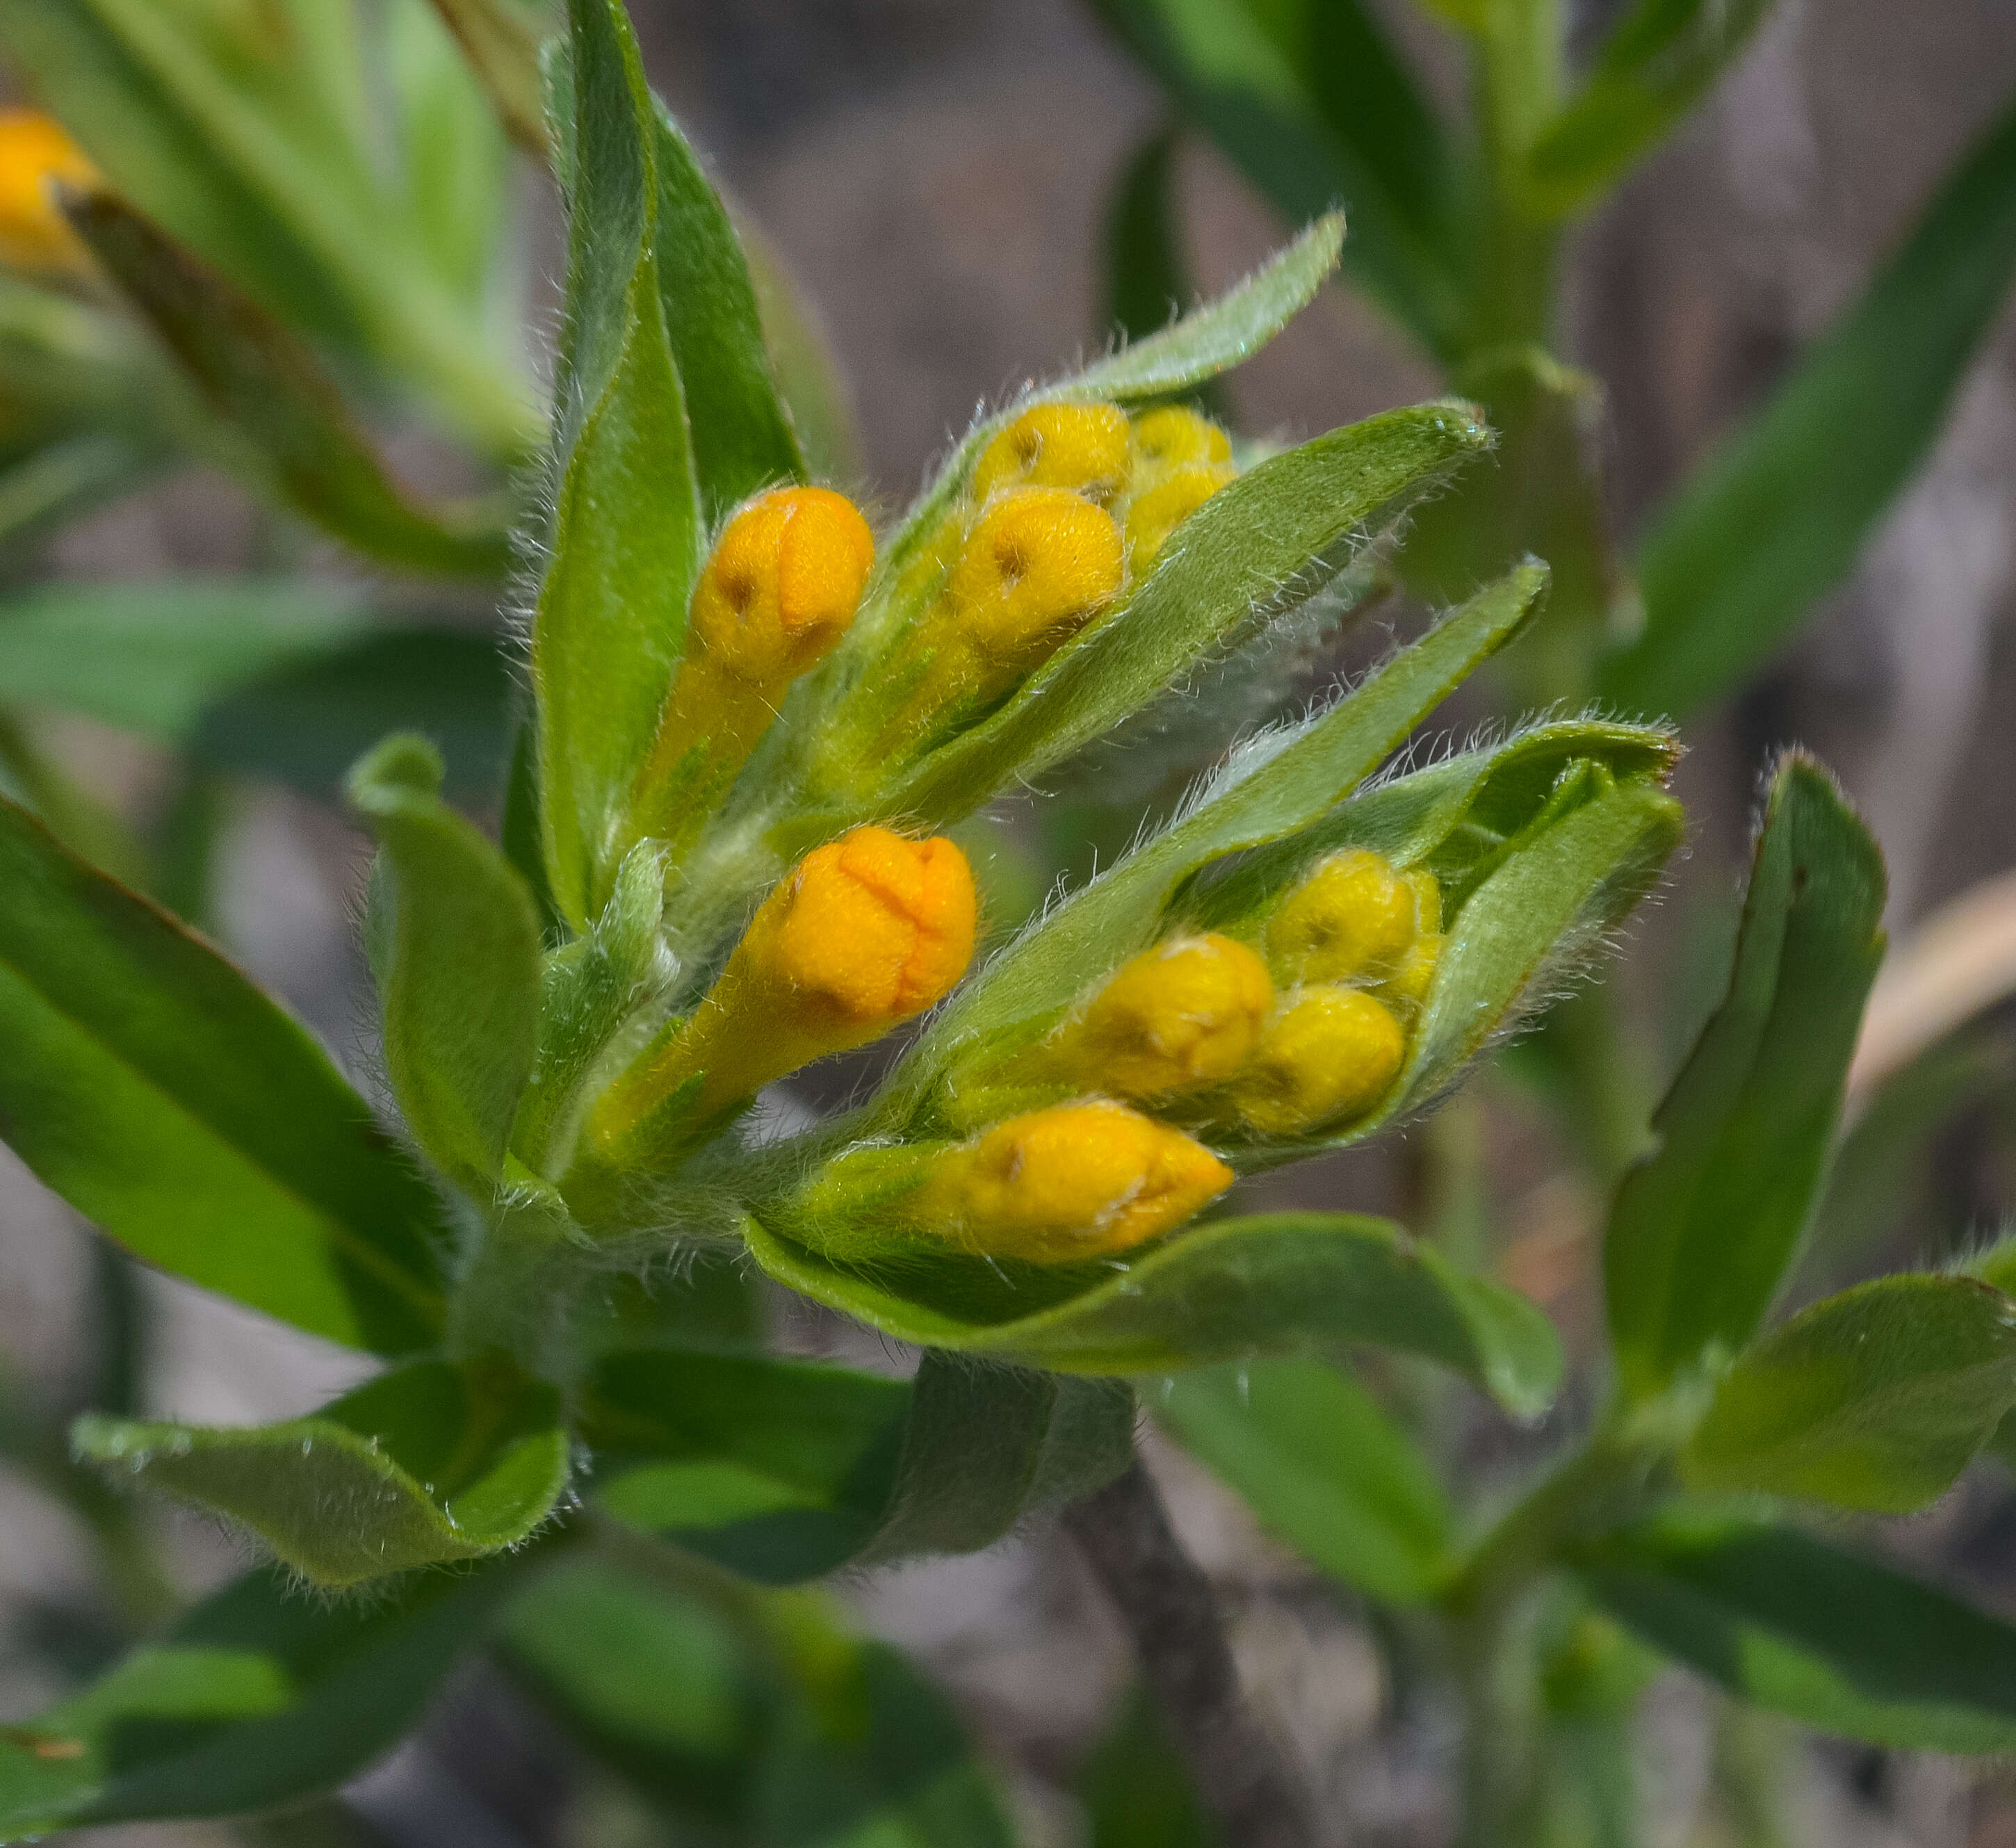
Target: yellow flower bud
1152, 515
1079, 1180
1172, 437
1354, 917
1332, 1053
1407, 988
1185, 1014
37, 154
1038, 563
777, 594
865, 933
1079, 446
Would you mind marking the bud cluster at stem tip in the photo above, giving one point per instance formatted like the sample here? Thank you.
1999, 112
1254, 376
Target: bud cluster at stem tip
1066, 505
37, 155
1306, 1031
864, 933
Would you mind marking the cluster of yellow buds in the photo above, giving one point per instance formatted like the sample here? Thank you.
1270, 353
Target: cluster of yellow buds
780, 590
864, 934
1066, 504
1304, 1032
37, 155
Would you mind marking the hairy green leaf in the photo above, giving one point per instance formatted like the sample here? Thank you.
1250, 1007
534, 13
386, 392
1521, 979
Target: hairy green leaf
783, 1470
430, 1464
1703, 1229
1230, 1289
1786, 1623
295, 435
461, 981
627, 536
1324, 1467
1874, 1399
1734, 561
257, 1698
1659, 60
167, 1099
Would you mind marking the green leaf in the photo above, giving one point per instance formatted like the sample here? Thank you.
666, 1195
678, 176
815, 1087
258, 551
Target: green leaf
742, 438
1230, 1289
627, 539
1783, 1621
1733, 561
1251, 551
296, 437
750, 1719
1135, 1787
65, 479
1272, 791
1703, 1229
166, 1098
1148, 280
150, 656
1218, 62
431, 1463
1875, 1399
1324, 1467
1657, 62
782, 1470
306, 722
257, 1698
461, 990
807, 372
501, 40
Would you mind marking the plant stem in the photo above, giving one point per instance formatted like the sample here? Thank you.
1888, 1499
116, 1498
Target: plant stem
1167, 1606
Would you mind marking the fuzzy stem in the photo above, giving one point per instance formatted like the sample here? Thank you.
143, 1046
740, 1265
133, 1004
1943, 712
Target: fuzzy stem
1167, 1606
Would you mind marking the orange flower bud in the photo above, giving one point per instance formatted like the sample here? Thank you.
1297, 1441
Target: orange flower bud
1079, 1180
1079, 446
865, 933
1153, 514
1036, 565
37, 154
1354, 917
783, 584
1332, 1053
1185, 1014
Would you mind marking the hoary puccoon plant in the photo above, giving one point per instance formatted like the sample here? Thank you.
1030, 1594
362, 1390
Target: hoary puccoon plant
735, 842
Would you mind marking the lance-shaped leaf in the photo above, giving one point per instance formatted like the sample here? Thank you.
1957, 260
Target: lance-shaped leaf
783, 1470
168, 1100
1776, 516
257, 1698
1325, 1467
749, 1717
1839, 1643
294, 435
1229, 1290
1656, 63
1258, 546
459, 972
1874, 1399
1281, 784
627, 534
1146, 278
1703, 1229
1252, 95
501, 40
430, 1464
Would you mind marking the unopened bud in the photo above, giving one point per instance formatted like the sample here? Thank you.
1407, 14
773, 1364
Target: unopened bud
1354, 918
1332, 1054
1083, 447
865, 933
1172, 437
36, 156
1037, 564
1153, 515
1185, 1014
1079, 1180
1407, 988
